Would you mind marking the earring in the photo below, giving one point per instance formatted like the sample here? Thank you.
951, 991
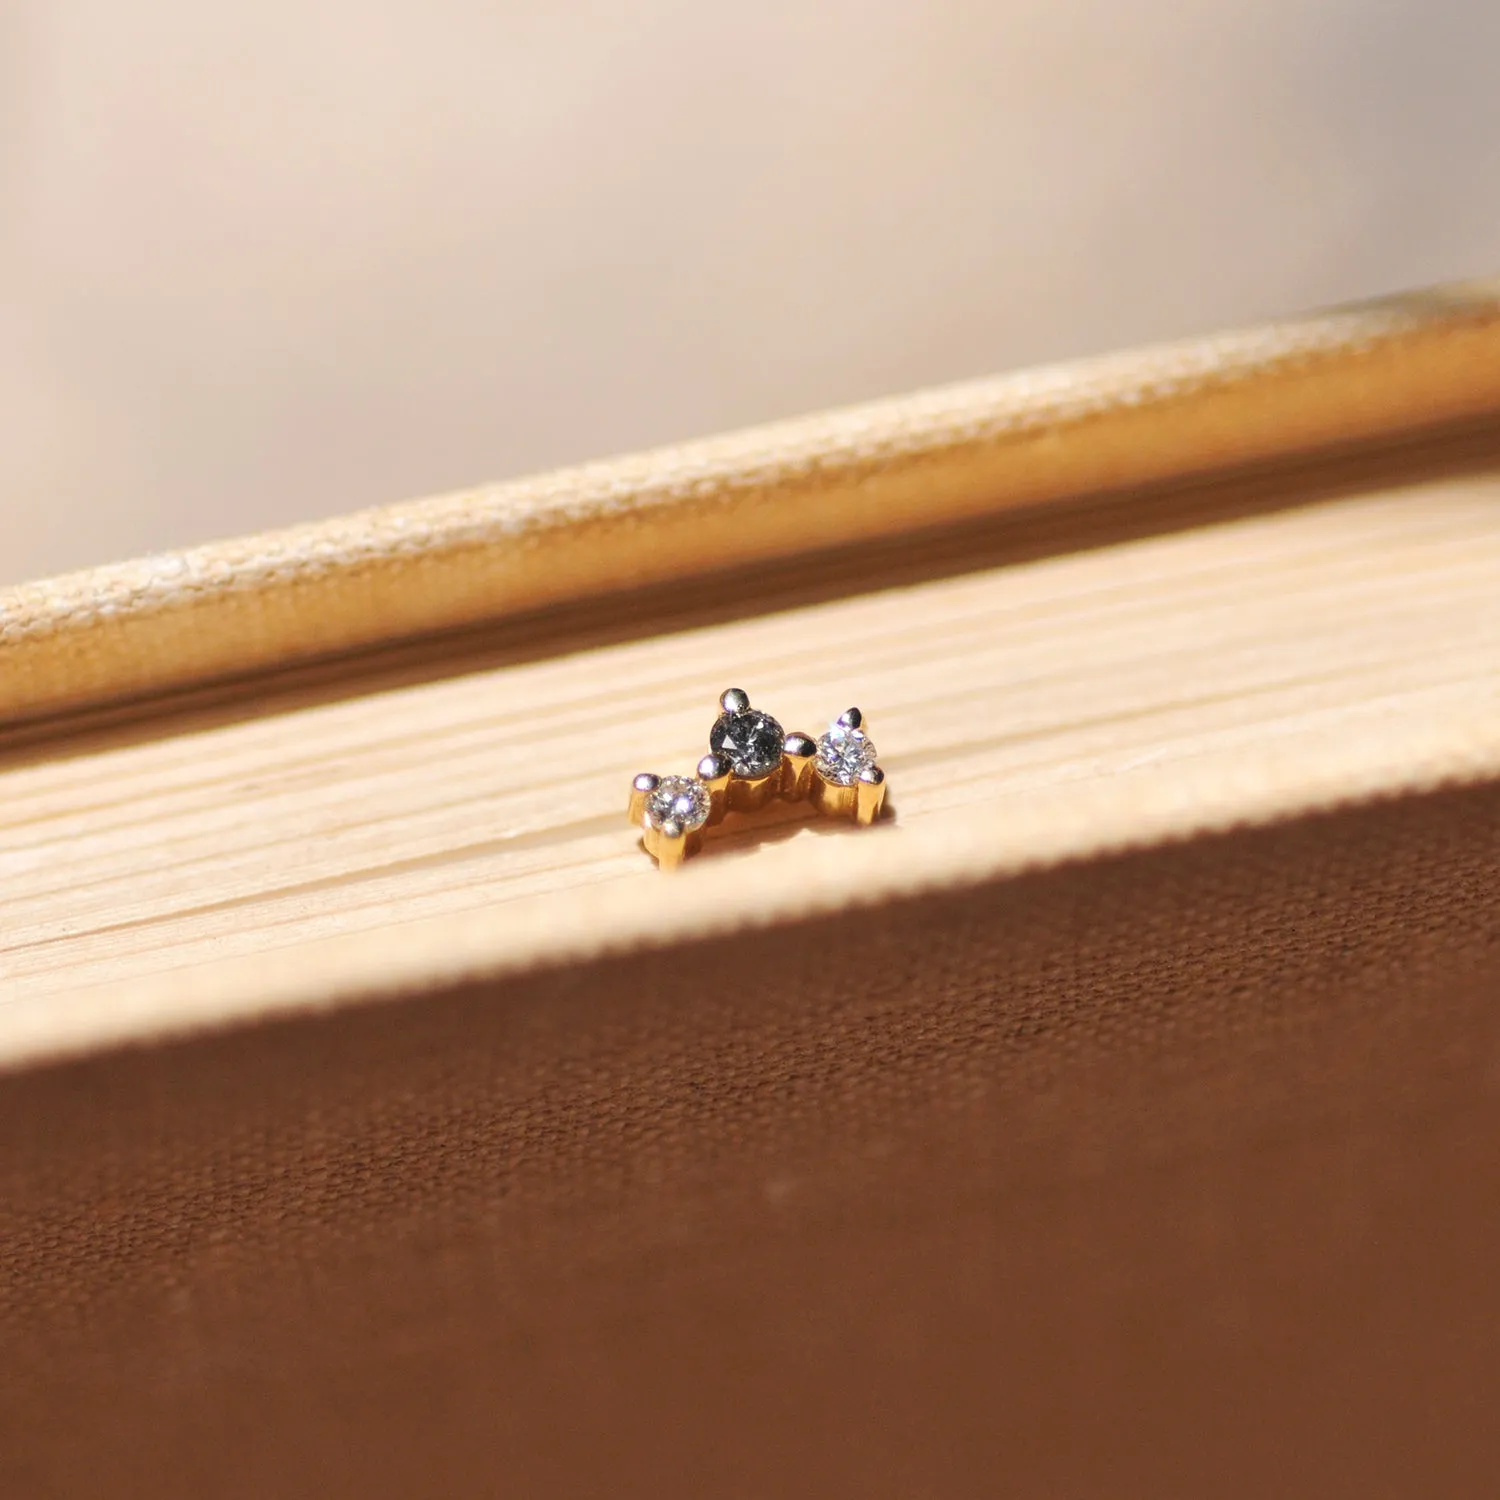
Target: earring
846, 779
671, 811
752, 761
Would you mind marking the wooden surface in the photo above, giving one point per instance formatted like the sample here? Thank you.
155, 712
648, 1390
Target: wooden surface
768, 496
1032, 686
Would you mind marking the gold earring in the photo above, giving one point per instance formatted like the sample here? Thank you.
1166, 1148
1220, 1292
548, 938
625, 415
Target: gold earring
751, 762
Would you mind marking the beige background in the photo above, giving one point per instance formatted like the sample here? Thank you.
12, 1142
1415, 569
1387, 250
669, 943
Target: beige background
260, 264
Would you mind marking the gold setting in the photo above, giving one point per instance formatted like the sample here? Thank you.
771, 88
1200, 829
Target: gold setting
804, 774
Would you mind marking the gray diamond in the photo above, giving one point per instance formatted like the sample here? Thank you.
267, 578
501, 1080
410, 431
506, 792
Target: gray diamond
750, 740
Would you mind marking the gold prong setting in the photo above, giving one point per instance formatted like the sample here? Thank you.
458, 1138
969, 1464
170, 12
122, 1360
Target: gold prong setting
748, 738
869, 795
671, 812
797, 766
847, 781
845, 752
751, 762
714, 771
640, 789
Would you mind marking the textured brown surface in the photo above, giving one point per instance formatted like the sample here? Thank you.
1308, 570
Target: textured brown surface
1175, 1173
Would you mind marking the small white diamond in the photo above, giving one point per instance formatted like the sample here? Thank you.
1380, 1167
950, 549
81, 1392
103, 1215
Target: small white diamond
843, 753
681, 800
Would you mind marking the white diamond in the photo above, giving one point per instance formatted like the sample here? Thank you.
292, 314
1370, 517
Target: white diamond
843, 753
678, 799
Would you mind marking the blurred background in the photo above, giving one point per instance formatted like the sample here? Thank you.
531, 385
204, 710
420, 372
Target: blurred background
264, 263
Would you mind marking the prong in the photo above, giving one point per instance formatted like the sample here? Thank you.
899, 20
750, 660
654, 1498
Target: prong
851, 718
640, 789
830, 798
797, 766
751, 793
713, 772
869, 795
670, 845
734, 700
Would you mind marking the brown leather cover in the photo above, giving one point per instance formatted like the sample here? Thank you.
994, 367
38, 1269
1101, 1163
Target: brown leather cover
1172, 1173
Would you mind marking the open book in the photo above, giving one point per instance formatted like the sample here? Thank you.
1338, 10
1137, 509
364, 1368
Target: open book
1083, 609
356, 1060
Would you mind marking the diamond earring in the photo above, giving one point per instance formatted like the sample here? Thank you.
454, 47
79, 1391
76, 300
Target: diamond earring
752, 761
846, 780
671, 812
